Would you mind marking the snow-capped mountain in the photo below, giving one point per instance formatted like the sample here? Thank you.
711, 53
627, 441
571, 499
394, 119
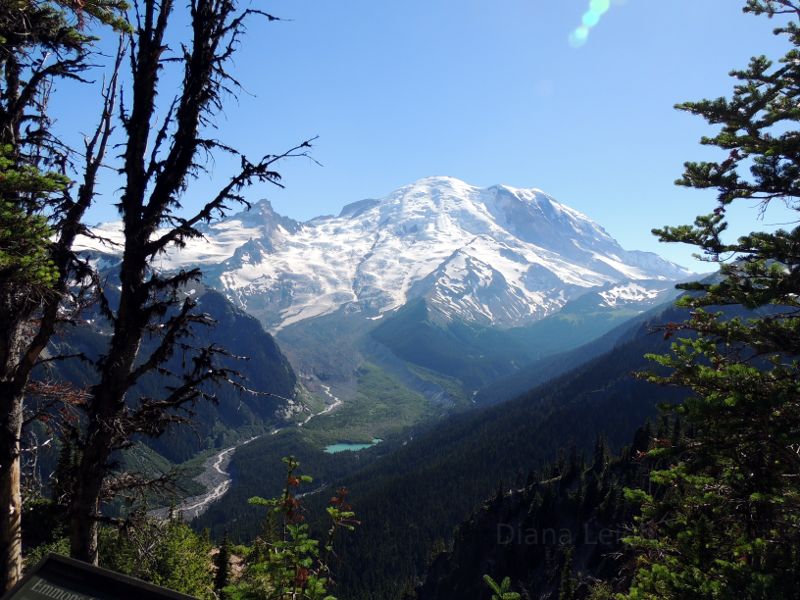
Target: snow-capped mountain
499, 256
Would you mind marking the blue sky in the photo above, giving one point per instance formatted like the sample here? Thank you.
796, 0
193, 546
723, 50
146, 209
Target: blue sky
489, 92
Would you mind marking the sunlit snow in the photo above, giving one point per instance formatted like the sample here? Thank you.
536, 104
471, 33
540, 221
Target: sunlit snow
499, 255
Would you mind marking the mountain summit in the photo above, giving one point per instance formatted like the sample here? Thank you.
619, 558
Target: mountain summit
499, 256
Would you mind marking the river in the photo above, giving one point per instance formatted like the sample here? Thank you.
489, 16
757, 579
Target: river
216, 478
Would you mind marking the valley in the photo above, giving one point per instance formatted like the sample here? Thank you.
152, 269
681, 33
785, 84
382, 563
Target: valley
432, 293
448, 264
216, 480
417, 487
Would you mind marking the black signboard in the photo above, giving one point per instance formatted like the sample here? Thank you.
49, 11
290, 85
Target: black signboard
60, 578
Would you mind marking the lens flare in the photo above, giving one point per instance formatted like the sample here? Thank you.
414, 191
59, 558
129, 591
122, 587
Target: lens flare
579, 37
599, 6
589, 20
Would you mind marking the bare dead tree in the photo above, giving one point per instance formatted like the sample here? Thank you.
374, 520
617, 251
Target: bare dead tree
161, 155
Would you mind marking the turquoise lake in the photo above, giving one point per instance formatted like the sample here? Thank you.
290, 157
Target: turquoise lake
346, 447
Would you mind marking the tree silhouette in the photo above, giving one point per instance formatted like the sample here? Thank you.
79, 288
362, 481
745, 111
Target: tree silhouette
162, 155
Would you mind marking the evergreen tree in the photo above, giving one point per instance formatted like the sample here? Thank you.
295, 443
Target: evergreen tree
25, 262
600, 454
167, 553
222, 563
566, 586
64, 472
725, 524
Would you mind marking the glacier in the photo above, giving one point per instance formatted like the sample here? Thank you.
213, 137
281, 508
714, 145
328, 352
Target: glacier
497, 256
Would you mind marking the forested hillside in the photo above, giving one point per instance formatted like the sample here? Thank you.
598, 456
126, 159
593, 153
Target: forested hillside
540, 371
411, 501
558, 534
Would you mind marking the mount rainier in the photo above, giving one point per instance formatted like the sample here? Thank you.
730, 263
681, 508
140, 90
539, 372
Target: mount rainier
499, 256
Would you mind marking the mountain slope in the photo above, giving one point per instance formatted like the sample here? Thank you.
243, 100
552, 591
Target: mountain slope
489, 358
562, 531
562, 350
417, 495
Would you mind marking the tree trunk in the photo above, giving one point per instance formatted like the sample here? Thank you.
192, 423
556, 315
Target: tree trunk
12, 309
10, 496
85, 506
83, 531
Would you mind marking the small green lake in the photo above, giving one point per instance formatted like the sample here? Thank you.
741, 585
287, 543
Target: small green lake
347, 447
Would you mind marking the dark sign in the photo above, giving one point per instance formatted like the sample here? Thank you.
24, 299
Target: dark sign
61, 578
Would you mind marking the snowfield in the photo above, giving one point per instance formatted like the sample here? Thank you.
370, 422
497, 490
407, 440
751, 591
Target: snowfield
499, 256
